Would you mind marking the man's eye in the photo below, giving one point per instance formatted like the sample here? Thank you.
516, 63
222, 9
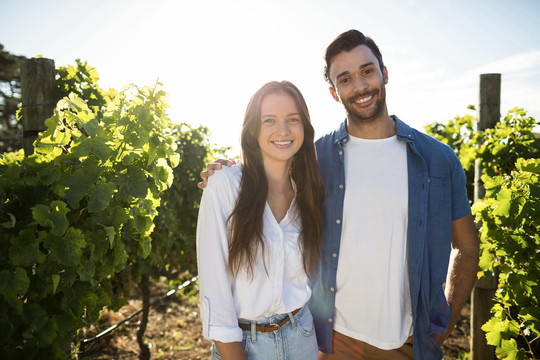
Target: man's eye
344, 81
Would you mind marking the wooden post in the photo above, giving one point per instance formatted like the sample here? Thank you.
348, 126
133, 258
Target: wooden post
38, 86
484, 289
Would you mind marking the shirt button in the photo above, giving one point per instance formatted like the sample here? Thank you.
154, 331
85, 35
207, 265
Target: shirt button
341, 186
340, 152
330, 320
338, 221
334, 255
332, 289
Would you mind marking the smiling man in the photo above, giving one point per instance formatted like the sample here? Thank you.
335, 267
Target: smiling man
395, 209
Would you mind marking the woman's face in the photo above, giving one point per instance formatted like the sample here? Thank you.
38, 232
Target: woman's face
281, 132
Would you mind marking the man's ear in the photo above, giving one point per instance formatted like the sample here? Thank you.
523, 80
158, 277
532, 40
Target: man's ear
334, 94
385, 75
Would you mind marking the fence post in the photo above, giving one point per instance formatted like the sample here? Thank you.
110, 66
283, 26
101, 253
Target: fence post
484, 289
38, 86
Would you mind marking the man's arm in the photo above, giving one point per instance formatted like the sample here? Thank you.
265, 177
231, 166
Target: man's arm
462, 269
215, 165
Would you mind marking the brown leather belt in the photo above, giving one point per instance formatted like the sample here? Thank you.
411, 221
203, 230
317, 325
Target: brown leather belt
269, 327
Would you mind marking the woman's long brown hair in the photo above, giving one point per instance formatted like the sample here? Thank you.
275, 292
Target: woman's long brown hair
246, 220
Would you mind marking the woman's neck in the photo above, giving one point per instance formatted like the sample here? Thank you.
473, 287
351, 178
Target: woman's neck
277, 175
280, 190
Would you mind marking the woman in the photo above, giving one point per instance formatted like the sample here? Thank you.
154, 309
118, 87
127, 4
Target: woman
258, 235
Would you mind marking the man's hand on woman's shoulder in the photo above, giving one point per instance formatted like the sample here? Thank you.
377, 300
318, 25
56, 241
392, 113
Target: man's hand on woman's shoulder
214, 165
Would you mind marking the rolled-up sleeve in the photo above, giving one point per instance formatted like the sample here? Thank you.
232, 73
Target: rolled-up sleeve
218, 312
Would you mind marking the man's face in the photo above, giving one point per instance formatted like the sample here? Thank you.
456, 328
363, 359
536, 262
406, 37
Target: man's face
359, 84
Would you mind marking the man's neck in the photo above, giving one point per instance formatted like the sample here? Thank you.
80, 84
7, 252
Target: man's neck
380, 128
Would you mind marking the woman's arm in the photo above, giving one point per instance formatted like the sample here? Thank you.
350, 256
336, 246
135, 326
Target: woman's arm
232, 351
218, 308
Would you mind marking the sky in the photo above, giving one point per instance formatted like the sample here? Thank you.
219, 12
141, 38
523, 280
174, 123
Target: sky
212, 55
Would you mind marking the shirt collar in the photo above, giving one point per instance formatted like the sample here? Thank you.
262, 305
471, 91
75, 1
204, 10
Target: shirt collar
404, 131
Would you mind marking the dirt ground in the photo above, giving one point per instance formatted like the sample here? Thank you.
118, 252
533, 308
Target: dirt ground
174, 331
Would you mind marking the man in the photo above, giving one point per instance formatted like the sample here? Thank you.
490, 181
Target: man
395, 210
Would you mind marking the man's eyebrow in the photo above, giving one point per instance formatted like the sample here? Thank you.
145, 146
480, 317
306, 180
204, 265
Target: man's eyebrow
361, 67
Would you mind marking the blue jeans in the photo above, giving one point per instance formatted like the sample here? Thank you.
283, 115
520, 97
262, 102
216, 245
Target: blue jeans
295, 340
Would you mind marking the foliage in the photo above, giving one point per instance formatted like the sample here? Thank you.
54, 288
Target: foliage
77, 215
82, 80
510, 217
81, 218
173, 239
10, 96
497, 149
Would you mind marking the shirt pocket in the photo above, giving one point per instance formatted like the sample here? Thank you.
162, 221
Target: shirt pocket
435, 195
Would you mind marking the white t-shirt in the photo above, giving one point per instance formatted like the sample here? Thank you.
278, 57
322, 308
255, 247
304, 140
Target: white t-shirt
373, 301
225, 299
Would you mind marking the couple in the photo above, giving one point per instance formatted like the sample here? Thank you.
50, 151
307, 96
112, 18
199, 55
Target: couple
370, 257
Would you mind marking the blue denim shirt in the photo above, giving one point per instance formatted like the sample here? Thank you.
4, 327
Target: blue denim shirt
437, 196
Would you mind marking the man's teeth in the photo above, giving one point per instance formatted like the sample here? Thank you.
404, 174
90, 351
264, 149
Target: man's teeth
364, 99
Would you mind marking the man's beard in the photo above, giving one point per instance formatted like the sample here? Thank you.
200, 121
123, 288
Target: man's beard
358, 117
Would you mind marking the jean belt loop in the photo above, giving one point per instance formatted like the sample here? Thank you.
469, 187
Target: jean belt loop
293, 320
253, 331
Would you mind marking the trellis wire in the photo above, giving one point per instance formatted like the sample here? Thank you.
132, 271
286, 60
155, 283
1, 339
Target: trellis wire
105, 332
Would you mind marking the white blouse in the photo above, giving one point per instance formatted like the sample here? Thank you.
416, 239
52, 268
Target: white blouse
278, 289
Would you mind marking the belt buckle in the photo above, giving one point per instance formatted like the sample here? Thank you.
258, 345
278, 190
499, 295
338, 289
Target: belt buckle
273, 327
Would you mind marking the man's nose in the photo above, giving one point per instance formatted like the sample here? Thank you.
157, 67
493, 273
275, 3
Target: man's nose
359, 84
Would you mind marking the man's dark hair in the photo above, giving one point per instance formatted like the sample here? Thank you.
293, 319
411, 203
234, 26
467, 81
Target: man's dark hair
345, 43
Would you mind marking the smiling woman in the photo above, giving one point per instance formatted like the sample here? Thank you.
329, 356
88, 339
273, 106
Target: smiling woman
259, 233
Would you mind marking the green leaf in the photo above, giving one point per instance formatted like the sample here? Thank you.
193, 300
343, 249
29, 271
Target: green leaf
40, 213
10, 224
67, 250
97, 146
87, 271
66, 323
100, 196
12, 285
53, 216
55, 280
78, 186
110, 234
493, 331
35, 316
58, 218
48, 333
24, 250
507, 350
134, 182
